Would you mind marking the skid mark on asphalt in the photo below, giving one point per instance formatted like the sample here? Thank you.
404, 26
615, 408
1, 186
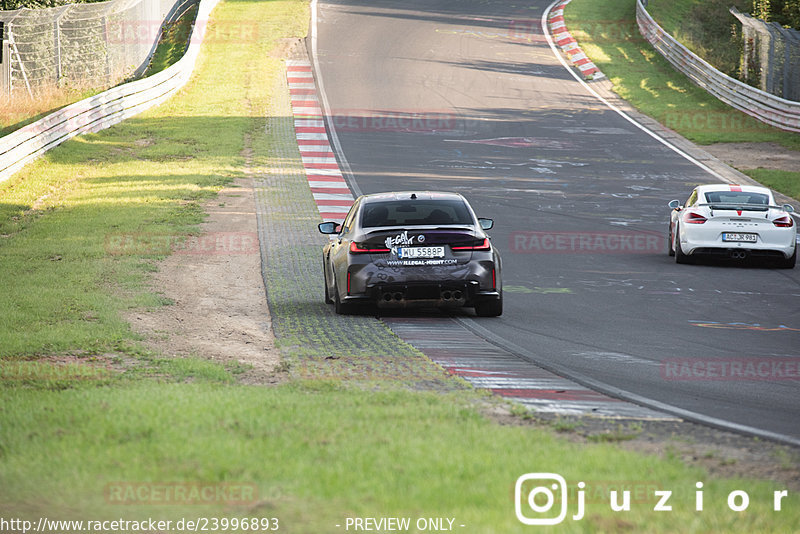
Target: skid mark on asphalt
325, 179
486, 366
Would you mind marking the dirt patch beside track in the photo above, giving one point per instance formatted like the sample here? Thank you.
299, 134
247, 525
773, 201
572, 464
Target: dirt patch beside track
219, 309
756, 155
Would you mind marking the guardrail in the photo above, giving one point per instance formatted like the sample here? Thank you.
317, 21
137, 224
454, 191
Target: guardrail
771, 109
103, 110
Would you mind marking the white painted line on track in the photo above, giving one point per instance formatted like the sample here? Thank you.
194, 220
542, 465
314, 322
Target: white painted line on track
614, 108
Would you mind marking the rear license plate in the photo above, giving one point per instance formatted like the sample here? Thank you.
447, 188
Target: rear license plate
742, 238
420, 252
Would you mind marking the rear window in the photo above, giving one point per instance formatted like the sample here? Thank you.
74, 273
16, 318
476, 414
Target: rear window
736, 198
415, 213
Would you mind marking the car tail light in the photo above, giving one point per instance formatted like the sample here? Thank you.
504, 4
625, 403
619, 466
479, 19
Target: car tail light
355, 248
348, 282
483, 245
784, 222
693, 218
494, 280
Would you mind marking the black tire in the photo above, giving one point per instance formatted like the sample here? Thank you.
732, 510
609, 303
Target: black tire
680, 257
490, 308
328, 299
789, 262
671, 250
340, 307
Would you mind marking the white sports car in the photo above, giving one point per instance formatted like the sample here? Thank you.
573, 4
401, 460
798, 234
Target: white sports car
734, 221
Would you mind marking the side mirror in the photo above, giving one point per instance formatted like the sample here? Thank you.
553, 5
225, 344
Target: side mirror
788, 208
674, 204
486, 224
329, 227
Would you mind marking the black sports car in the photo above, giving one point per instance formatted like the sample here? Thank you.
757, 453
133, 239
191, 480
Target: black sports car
399, 250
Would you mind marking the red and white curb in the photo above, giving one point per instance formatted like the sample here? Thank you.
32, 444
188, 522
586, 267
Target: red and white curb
330, 191
569, 45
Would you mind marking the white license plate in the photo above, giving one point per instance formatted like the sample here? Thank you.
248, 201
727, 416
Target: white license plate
420, 252
742, 238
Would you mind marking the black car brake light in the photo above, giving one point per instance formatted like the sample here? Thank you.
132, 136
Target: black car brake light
355, 248
483, 245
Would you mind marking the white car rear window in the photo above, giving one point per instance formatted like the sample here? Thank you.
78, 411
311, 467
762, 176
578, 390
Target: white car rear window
736, 198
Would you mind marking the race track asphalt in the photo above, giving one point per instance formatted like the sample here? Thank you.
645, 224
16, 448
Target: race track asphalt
467, 96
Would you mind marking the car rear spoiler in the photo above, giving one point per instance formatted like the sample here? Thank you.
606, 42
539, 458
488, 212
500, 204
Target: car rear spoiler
746, 207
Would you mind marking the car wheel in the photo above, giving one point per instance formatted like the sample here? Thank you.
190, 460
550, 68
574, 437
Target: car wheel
789, 262
340, 307
490, 308
671, 242
328, 299
680, 257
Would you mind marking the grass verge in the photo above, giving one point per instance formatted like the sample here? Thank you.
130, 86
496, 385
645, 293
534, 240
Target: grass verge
178, 439
23, 110
83, 226
313, 454
608, 33
173, 42
706, 27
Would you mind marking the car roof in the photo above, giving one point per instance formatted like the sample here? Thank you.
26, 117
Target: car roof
406, 195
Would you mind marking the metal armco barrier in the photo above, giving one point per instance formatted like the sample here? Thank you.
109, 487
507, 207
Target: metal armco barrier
103, 110
770, 109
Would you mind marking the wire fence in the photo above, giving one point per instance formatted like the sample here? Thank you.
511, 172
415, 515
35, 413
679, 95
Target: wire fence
103, 110
78, 45
768, 108
771, 56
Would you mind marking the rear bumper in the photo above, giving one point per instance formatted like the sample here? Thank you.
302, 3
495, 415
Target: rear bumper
732, 253
444, 294
780, 245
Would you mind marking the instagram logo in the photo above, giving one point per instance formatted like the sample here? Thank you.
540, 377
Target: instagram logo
537, 494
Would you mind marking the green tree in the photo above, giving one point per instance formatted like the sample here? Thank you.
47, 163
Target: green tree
790, 14
38, 4
784, 12
761, 9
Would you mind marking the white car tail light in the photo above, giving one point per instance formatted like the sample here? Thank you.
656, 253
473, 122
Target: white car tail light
694, 218
784, 222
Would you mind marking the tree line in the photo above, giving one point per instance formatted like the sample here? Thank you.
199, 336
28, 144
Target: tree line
39, 4
784, 12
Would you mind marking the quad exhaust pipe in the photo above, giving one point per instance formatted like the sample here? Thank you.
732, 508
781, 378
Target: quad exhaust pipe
398, 296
